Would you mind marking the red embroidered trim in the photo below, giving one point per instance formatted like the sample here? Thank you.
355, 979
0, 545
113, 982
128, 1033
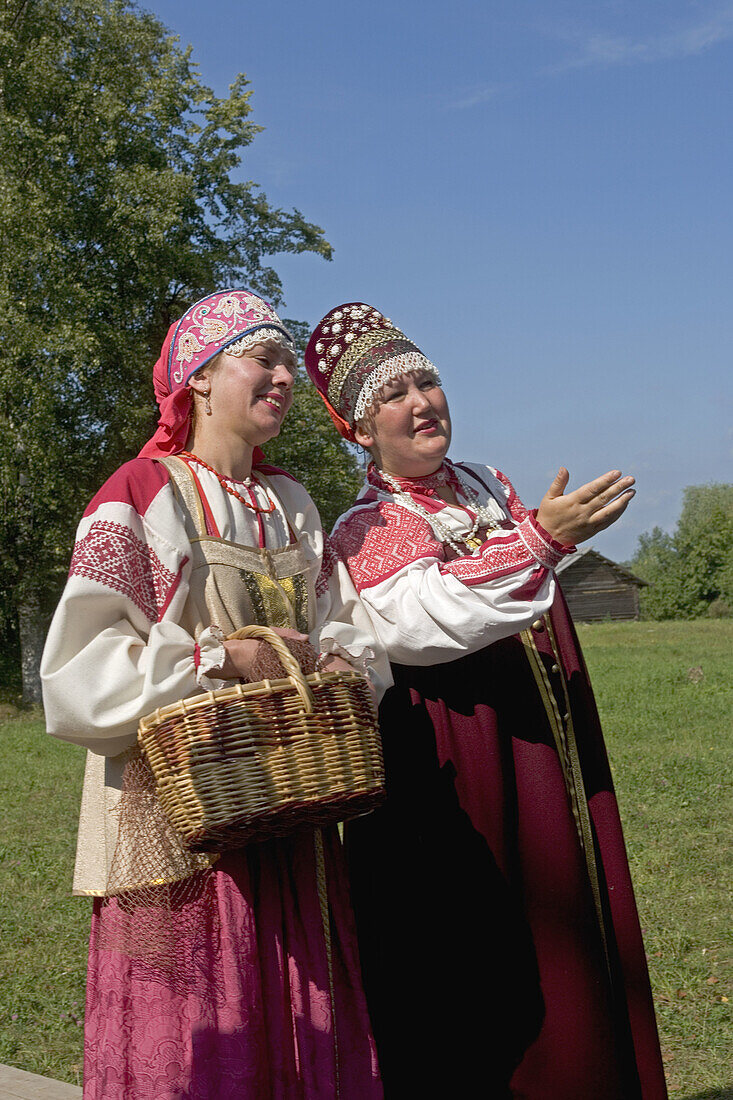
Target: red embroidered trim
516, 509
418, 486
112, 555
328, 564
547, 553
376, 542
498, 558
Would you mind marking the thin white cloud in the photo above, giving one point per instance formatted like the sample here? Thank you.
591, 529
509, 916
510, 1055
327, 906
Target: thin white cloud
481, 93
602, 50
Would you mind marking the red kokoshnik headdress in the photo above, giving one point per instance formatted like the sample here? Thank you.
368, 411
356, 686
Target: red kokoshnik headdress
352, 353
207, 328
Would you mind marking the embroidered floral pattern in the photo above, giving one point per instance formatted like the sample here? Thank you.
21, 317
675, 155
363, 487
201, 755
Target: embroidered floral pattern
214, 328
187, 347
544, 549
377, 542
498, 558
216, 321
112, 555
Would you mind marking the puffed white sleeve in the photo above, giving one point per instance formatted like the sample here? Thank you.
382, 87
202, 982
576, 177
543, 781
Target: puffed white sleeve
347, 628
343, 626
115, 650
427, 610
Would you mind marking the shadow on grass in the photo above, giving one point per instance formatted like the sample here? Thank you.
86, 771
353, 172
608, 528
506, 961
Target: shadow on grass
726, 1093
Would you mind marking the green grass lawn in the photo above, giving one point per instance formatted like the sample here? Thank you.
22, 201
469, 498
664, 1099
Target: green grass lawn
668, 729
45, 930
669, 737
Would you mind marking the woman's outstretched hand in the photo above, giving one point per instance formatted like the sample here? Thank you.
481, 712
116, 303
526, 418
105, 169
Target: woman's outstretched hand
583, 513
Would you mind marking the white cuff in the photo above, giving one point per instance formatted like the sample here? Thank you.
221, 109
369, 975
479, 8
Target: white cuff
357, 656
211, 657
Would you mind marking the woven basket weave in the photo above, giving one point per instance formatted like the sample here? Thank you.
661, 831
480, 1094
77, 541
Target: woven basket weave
254, 761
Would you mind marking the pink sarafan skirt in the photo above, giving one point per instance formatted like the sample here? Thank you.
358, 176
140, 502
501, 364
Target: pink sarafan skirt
262, 1003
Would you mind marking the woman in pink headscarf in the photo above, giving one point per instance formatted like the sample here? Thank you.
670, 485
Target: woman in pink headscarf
238, 978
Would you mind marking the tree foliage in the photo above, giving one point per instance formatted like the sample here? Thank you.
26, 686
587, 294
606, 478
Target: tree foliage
118, 209
691, 571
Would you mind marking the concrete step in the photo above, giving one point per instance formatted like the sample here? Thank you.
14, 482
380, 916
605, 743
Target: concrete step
16, 1084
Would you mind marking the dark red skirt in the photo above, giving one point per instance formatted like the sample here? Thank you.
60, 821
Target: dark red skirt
501, 956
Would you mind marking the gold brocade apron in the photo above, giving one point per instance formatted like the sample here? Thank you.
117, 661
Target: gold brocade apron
242, 585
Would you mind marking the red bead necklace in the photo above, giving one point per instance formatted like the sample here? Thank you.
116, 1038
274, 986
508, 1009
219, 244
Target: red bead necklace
224, 482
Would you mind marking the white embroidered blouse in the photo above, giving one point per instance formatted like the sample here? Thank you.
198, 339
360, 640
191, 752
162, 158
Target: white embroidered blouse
123, 640
427, 606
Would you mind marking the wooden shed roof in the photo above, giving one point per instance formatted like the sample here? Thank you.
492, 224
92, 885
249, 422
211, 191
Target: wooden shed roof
589, 552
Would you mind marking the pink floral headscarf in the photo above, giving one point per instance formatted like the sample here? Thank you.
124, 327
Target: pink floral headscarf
204, 330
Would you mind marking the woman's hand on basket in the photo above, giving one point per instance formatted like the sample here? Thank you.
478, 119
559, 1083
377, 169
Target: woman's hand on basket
334, 663
583, 513
241, 653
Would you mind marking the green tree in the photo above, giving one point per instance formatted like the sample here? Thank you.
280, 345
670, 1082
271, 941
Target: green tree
704, 540
119, 207
656, 560
690, 572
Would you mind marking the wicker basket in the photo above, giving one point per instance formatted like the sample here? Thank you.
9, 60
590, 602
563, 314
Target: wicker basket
259, 760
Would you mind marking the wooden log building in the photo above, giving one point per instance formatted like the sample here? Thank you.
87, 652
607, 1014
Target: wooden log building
598, 588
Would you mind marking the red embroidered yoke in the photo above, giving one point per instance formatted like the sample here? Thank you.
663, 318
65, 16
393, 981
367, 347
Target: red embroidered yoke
428, 605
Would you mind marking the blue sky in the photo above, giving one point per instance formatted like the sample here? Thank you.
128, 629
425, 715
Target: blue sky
538, 193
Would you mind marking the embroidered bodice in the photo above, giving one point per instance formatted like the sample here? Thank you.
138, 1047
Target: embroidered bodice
428, 604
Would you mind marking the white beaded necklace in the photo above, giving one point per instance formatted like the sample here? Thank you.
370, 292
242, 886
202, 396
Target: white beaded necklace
484, 516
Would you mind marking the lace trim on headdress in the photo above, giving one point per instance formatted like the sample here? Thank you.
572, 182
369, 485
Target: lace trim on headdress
241, 346
408, 363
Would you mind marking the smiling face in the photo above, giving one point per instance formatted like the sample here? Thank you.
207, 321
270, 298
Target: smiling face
409, 430
249, 394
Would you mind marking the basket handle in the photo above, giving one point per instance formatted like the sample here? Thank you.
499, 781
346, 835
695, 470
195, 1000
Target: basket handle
288, 661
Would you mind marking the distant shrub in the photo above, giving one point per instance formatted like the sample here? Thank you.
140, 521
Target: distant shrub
690, 573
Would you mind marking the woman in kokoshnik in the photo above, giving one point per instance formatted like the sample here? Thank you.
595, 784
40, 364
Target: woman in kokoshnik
499, 939
240, 979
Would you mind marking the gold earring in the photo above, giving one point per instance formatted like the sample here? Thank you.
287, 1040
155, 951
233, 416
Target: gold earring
207, 395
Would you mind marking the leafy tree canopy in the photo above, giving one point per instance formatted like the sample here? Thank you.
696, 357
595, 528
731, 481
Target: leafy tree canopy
118, 209
690, 571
